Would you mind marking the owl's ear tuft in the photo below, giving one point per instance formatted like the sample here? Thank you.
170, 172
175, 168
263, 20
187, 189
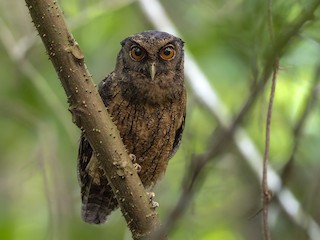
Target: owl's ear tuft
182, 42
123, 42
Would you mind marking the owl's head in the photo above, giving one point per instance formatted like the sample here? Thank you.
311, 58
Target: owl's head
150, 63
152, 54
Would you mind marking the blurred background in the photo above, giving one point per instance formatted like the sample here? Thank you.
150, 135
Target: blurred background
230, 41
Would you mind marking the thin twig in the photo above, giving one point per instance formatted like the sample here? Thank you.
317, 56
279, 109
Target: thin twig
266, 193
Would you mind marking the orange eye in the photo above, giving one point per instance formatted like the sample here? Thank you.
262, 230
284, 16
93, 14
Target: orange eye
137, 53
167, 53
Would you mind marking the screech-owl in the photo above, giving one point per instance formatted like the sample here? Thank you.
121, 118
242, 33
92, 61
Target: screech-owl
146, 97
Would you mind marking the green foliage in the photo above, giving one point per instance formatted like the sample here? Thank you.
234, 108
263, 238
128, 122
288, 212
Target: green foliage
230, 40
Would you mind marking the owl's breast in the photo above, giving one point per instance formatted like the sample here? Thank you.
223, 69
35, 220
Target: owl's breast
140, 89
148, 132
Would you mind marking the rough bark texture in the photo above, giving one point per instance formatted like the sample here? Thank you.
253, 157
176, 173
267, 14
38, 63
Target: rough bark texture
90, 115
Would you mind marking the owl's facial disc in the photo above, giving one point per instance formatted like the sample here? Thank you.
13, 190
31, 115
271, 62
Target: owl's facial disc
151, 58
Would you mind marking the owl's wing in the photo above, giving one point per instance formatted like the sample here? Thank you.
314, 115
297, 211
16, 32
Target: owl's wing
98, 200
107, 89
178, 136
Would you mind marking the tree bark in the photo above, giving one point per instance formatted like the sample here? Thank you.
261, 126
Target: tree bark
91, 116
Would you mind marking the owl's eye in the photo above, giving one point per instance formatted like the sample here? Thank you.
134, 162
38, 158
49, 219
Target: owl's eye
137, 53
167, 53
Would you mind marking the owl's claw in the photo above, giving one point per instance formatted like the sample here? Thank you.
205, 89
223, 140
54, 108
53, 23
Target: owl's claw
133, 157
154, 204
151, 196
136, 166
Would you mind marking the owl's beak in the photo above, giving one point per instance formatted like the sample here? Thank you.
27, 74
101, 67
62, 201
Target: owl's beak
152, 69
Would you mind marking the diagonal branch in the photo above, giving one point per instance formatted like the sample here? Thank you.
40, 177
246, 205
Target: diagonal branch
91, 116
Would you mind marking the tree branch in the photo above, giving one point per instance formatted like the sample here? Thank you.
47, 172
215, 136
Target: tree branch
91, 116
266, 193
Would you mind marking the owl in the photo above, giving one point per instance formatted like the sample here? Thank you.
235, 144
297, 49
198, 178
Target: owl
146, 98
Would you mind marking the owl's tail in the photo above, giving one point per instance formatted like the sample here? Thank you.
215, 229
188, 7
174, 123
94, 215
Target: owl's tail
98, 202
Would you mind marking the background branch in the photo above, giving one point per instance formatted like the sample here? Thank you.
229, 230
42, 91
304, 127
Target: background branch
266, 194
90, 115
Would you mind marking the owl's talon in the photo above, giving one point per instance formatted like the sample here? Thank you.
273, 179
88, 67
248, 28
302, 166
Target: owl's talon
133, 157
151, 195
137, 167
154, 204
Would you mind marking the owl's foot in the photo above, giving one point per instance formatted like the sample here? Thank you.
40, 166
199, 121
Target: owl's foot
151, 196
136, 166
133, 157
